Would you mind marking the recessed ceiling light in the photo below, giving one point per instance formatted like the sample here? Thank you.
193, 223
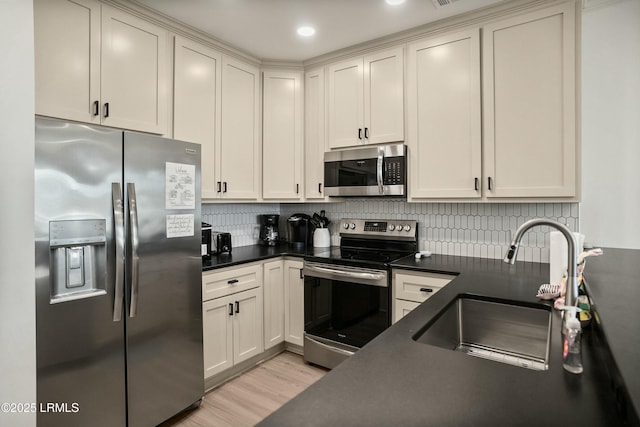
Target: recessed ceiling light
394, 2
306, 31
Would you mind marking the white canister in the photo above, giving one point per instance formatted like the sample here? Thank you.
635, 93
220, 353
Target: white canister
558, 256
321, 238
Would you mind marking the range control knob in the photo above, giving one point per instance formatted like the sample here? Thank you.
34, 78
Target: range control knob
346, 225
399, 227
352, 226
391, 227
407, 228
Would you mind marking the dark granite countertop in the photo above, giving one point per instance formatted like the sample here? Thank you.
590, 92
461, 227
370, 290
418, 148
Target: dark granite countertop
245, 254
395, 380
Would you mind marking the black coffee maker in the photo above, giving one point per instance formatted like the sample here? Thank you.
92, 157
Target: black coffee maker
269, 235
299, 230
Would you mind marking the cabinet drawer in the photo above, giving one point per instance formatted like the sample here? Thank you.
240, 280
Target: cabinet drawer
418, 287
230, 280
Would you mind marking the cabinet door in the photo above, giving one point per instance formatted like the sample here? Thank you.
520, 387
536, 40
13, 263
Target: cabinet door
196, 104
346, 102
529, 104
294, 302
384, 96
273, 289
67, 59
314, 133
401, 308
240, 144
217, 332
282, 135
134, 73
247, 325
444, 116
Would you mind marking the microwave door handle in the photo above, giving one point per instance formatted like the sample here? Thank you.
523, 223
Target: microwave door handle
135, 244
379, 175
118, 219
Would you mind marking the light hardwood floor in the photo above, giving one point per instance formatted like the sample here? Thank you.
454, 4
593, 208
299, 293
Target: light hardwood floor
252, 396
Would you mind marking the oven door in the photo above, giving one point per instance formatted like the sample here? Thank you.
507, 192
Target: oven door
344, 308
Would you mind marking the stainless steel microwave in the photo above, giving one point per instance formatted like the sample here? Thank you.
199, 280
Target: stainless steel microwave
369, 171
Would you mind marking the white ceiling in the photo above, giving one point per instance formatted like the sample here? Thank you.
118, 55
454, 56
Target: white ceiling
266, 29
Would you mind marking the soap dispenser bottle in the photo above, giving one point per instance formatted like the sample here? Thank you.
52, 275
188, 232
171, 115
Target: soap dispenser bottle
571, 352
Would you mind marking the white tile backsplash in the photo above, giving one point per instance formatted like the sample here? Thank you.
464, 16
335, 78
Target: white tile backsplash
467, 229
240, 219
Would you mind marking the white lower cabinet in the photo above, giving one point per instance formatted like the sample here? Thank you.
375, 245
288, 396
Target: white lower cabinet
294, 302
411, 288
233, 323
273, 303
249, 309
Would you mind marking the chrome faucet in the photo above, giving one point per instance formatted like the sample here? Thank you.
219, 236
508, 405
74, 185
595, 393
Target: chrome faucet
572, 280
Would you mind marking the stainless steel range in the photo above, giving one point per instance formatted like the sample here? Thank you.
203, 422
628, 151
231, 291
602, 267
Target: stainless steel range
347, 298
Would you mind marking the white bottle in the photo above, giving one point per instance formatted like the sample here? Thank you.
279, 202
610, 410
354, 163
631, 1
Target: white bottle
571, 351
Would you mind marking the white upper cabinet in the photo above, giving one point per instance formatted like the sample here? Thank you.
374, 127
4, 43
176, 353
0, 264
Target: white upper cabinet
67, 60
530, 104
444, 133
134, 72
216, 104
346, 104
239, 150
314, 134
97, 64
384, 96
196, 104
366, 99
282, 141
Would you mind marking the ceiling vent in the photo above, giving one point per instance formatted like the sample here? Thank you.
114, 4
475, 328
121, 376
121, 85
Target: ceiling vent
439, 4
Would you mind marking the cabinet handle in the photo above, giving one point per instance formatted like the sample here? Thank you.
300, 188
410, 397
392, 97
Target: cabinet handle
359, 133
224, 186
219, 184
96, 108
301, 275
489, 183
366, 133
237, 307
476, 182
426, 290
297, 188
106, 110
230, 309
320, 187
232, 282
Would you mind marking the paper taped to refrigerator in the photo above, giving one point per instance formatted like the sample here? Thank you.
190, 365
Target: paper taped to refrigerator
180, 225
180, 186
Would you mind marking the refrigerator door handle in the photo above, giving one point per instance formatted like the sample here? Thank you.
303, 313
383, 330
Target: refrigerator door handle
135, 243
118, 219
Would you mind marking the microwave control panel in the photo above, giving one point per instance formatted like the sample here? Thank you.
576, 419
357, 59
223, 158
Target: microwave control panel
394, 173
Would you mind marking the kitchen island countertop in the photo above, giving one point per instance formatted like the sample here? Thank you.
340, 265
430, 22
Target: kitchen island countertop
395, 380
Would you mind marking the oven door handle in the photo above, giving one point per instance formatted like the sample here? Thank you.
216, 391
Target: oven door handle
380, 171
347, 274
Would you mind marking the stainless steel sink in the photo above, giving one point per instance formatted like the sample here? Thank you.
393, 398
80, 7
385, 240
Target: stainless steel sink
496, 330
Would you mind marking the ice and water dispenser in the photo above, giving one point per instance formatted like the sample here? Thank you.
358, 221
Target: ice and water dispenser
78, 257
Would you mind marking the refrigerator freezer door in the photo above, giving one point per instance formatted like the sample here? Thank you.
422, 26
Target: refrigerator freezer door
163, 291
80, 352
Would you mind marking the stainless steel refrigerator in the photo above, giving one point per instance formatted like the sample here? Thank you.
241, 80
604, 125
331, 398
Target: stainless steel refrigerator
118, 276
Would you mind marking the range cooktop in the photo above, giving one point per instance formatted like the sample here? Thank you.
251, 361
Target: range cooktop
371, 243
